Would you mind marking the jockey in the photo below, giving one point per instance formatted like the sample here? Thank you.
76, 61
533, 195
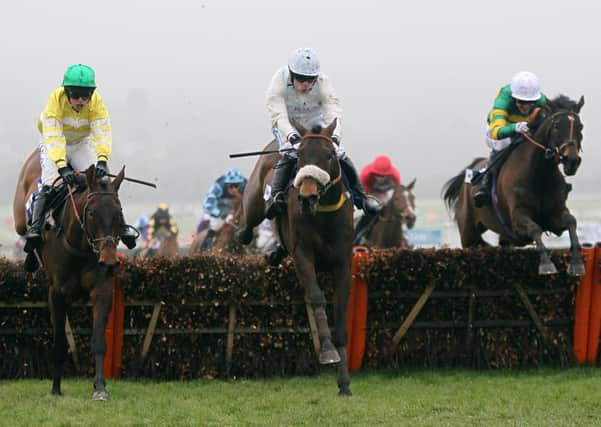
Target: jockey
142, 224
300, 92
218, 202
379, 177
75, 133
509, 117
161, 219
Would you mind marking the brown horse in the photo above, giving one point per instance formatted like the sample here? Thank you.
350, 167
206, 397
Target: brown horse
317, 231
164, 244
387, 228
530, 189
225, 240
79, 256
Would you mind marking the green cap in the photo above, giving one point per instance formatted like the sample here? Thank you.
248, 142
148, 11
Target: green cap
79, 75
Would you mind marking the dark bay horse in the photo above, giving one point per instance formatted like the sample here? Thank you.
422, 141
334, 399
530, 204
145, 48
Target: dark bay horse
317, 231
387, 228
79, 256
530, 188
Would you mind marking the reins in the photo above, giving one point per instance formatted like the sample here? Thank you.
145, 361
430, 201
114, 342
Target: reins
556, 152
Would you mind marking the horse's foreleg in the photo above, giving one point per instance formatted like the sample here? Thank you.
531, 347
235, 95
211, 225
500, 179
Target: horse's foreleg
102, 299
525, 226
342, 285
58, 315
558, 225
305, 271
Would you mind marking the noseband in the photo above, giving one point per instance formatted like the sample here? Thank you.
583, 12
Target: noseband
331, 183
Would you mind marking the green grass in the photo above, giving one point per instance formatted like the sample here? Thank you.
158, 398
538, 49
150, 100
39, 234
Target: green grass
413, 398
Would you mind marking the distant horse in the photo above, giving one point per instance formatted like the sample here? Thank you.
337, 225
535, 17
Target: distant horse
530, 189
79, 257
163, 244
225, 240
317, 231
386, 230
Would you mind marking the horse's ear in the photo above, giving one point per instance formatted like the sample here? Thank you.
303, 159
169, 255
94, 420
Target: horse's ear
579, 105
412, 184
118, 179
91, 176
330, 129
550, 106
298, 127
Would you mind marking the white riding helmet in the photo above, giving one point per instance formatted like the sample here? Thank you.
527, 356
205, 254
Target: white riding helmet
525, 86
304, 61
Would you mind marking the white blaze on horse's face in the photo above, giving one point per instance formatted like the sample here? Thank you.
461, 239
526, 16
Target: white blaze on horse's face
310, 174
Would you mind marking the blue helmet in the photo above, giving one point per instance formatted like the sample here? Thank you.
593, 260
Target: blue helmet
233, 176
142, 222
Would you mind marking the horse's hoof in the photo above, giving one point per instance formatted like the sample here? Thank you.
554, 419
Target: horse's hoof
548, 268
345, 392
328, 357
56, 393
100, 395
576, 269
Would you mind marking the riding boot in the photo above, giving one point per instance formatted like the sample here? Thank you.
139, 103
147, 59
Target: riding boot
276, 204
482, 196
368, 203
209, 240
129, 235
34, 234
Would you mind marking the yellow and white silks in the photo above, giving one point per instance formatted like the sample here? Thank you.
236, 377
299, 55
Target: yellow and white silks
67, 136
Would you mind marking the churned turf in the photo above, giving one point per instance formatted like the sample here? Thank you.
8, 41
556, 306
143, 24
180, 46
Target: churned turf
543, 397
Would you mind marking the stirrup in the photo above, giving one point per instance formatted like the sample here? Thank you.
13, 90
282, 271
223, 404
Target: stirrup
33, 241
276, 205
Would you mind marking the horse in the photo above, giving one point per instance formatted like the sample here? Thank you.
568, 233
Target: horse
163, 244
386, 229
317, 231
531, 191
79, 256
225, 240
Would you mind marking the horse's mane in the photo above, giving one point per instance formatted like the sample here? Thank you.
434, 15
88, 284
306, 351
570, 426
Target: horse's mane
316, 128
562, 102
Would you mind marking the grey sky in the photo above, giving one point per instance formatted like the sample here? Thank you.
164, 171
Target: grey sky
184, 81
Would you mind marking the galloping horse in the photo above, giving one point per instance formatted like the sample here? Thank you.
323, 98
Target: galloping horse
387, 228
225, 240
317, 231
164, 244
79, 256
531, 191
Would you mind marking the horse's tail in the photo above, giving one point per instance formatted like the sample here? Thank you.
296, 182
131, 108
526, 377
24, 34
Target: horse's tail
452, 187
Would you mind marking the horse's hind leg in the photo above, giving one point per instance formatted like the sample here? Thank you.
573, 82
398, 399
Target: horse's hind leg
58, 315
102, 298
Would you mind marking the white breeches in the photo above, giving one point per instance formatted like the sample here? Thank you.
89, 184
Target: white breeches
80, 156
497, 144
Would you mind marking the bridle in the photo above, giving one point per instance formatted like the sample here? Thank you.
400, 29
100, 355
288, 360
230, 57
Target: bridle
93, 242
557, 153
331, 183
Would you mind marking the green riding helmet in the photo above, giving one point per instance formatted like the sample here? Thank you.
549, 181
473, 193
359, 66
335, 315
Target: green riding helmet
79, 75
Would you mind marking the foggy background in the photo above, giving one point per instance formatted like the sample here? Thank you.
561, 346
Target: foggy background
185, 81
